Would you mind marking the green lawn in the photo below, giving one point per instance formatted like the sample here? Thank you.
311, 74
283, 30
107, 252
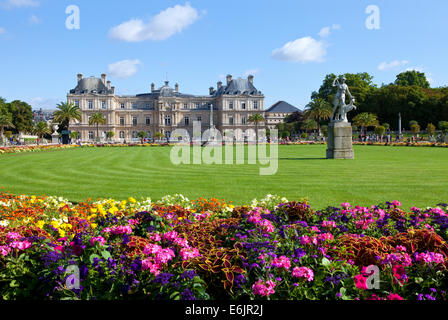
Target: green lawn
414, 176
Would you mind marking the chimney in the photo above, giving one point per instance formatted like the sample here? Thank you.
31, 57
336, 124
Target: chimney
113, 90
251, 79
79, 77
103, 78
211, 90
219, 85
108, 85
229, 78
153, 87
176, 87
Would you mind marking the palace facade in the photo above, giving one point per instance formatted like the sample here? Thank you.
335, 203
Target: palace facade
227, 106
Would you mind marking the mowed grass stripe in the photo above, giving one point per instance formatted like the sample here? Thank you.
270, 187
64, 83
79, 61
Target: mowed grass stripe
415, 176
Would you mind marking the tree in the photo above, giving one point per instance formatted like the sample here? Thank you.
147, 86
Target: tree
5, 122
386, 126
431, 129
67, 112
415, 128
380, 130
41, 128
141, 135
309, 125
22, 116
443, 125
74, 135
96, 119
318, 110
110, 135
412, 78
159, 135
256, 119
412, 122
365, 120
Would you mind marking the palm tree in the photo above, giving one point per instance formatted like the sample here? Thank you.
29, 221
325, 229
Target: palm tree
96, 119
5, 122
319, 110
256, 119
67, 112
309, 124
41, 128
366, 119
159, 135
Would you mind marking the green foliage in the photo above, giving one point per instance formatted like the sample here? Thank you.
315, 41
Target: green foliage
366, 120
443, 125
412, 78
380, 130
41, 128
304, 135
309, 125
415, 128
66, 112
431, 129
22, 116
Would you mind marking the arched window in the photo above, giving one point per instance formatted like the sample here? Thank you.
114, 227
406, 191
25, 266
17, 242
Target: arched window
91, 135
121, 134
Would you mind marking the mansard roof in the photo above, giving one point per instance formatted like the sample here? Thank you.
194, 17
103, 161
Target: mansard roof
282, 107
166, 91
238, 87
91, 85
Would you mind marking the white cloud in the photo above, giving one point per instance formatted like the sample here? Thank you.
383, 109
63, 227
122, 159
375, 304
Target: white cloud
326, 31
123, 69
164, 25
44, 103
20, 3
34, 19
303, 50
2, 31
251, 72
383, 66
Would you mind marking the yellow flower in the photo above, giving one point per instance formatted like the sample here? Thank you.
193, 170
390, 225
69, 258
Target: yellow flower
132, 200
61, 233
93, 210
93, 225
40, 224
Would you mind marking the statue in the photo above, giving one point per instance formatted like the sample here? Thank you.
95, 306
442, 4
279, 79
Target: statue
340, 109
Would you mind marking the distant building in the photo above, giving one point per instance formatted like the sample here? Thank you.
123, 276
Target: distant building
42, 115
228, 106
277, 113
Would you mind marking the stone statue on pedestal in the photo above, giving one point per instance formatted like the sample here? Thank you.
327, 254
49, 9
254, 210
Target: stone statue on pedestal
340, 130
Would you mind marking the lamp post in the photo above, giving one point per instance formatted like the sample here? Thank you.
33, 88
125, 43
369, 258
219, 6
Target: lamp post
399, 124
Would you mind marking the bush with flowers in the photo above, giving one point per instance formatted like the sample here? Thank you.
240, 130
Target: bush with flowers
208, 249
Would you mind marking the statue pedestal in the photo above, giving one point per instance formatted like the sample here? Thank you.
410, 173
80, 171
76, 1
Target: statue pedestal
340, 141
55, 138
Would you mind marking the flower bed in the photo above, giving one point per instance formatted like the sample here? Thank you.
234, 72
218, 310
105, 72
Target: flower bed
208, 249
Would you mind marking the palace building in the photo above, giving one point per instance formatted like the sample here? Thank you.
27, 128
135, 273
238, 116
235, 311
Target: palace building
228, 106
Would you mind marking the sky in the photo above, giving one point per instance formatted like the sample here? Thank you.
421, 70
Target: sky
288, 45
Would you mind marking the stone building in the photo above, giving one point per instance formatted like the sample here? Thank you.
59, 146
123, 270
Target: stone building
278, 112
228, 106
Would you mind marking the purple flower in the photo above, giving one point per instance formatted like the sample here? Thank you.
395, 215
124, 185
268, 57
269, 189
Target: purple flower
187, 294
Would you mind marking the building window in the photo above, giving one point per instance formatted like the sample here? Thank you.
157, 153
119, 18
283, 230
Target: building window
77, 103
134, 134
148, 134
167, 134
121, 134
122, 106
148, 120
255, 104
167, 120
231, 120
187, 121
185, 106
231, 105
134, 120
91, 136
122, 121
199, 119
198, 105
243, 105
103, 105
90, 103
243, 119
134, 106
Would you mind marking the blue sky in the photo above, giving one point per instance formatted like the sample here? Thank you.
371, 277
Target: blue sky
288, 45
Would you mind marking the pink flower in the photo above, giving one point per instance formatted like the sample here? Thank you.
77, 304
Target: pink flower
133, 222
361, 282
164, 255
345, 205
304, 240
153, 268
152, 249
21, 245
4, 250
189, 253
396, 203
282, 262
170, 236
394, 296
155, 237
13, 236
303, 272
263, 289
314, 228
401, 248
98, 239
328, 224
